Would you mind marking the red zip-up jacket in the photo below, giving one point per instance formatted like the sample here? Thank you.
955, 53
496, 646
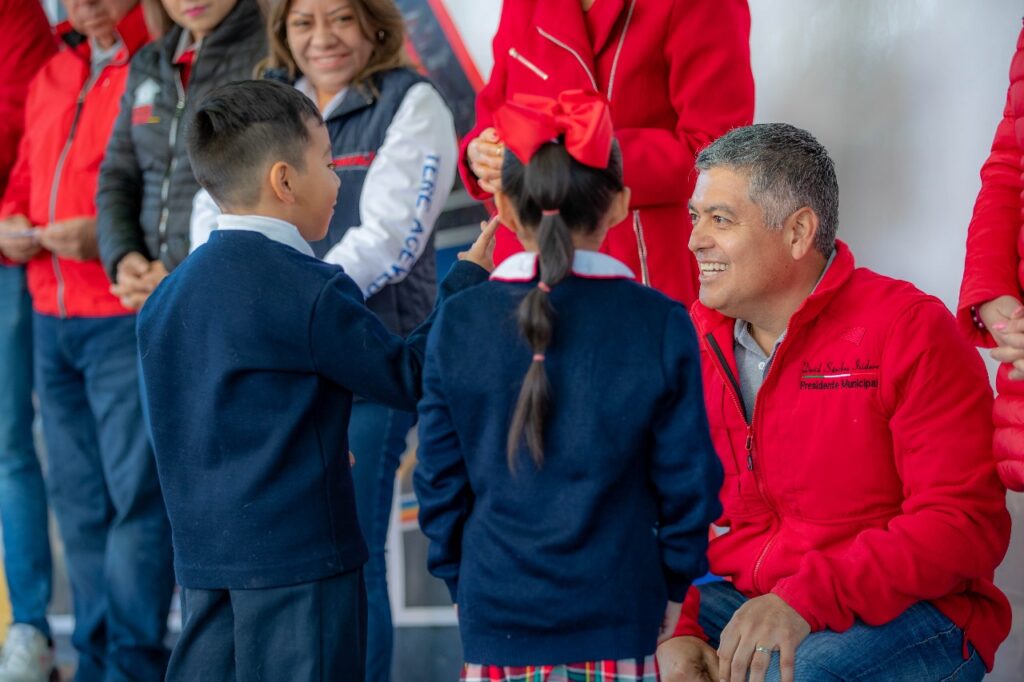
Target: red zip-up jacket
865, 481
677, 75
58, 164
28, 42
994, 267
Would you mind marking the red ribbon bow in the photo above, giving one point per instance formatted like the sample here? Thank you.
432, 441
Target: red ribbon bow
528, 121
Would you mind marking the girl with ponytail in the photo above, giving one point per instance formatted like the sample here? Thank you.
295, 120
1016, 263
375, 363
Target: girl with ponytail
566, 477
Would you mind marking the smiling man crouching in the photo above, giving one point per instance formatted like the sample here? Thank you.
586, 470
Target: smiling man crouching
864, 517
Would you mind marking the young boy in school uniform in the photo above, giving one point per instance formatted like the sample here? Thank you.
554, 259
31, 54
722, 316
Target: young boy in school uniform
251, 351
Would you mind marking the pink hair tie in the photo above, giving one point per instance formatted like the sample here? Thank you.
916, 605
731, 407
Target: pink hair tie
552, 211
543, 286
539, 357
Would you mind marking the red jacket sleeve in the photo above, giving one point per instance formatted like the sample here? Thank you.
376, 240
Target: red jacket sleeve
488, 100
16, 196
953, 526
991, 265
712, 90
27, 43
688, 625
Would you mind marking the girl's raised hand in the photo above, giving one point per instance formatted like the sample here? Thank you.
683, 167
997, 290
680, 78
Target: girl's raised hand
482, 250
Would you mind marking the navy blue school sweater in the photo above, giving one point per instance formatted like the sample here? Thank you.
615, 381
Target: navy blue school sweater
573, 561
250, 354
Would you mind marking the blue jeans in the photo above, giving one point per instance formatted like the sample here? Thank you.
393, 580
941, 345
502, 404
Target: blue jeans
921, 645
105, 493
22, 493
376, 436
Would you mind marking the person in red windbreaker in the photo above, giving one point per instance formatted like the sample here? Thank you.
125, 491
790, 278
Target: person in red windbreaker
27, 654
101, 474
990, 310
863, 519
677, 75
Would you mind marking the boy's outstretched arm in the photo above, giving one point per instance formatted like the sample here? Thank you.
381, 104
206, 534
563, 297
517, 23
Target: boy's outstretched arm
350, 346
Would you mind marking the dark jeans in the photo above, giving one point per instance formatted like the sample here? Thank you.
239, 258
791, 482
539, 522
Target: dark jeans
311, 632
22, 493
921, 645
377, 438
105, 493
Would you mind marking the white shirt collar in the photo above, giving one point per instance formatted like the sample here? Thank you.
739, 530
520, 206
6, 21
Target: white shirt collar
522, 267
306, 88
184, 43
271, 228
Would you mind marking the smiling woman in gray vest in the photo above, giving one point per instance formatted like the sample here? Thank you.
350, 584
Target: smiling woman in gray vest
395, 149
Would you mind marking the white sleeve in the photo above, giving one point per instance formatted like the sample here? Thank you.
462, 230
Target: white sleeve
203, 221
405, 191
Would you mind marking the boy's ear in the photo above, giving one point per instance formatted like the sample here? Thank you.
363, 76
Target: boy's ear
282, 182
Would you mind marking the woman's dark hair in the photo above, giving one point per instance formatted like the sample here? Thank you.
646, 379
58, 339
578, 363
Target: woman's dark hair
556, 196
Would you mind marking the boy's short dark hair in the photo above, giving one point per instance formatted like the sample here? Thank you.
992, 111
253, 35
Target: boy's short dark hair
239, 126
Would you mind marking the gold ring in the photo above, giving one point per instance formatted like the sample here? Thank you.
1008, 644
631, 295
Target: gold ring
763, 650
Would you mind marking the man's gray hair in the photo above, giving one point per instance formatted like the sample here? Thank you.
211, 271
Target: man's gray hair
787, 169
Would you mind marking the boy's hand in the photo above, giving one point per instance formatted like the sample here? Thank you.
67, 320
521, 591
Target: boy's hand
482, 250
18, 239
74, 238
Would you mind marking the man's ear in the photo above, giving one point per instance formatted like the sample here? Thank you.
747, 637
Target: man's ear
619, 208
282, 182
506, 214
801, 230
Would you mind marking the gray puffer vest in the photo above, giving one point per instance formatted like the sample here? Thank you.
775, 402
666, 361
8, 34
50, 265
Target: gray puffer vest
146, 186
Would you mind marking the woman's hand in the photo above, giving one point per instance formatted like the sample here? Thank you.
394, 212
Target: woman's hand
482, 250
1004, 318
486, 153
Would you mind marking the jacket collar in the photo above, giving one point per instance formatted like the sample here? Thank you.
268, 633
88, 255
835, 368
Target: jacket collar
271, 228
522, 267
131, 29
711, 321
244, 19
563, 21
605, 15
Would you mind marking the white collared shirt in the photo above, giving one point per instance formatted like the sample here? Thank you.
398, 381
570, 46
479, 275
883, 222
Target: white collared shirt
271, 228
522, 267
306, 88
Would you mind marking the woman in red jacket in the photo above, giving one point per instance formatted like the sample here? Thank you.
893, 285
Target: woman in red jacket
677, 75
990, 310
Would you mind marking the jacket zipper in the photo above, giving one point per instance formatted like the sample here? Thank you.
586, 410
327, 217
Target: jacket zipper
749, 444
573, 52
165, 189
641, 248
515, 54
618, 50
58, 171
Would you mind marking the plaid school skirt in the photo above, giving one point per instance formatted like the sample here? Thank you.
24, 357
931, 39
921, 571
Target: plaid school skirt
626, 670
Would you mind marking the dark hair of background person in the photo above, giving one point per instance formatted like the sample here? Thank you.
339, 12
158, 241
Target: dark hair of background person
582, 195
238, 127
381, 23
787, 169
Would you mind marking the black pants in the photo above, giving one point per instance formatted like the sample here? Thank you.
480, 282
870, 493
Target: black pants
312, 632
